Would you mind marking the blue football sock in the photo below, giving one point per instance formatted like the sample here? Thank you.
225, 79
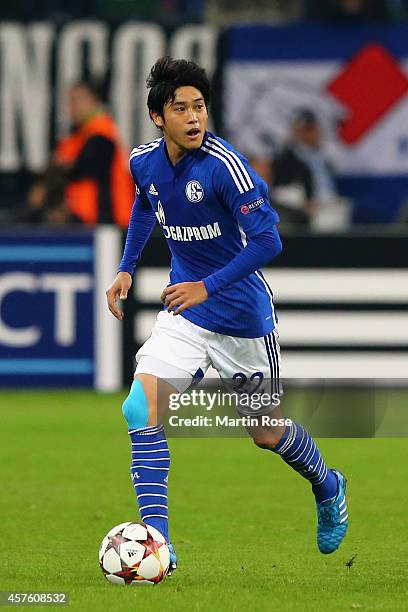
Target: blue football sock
149, 471
298, 449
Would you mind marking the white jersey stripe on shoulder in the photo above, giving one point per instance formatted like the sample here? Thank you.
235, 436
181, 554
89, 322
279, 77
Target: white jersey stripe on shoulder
136, 149
226, 162
138, 152
144, 146
141, 152
233, 163
235, 156
151, 142
151, 146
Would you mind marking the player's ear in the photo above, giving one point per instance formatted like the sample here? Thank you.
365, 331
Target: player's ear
157, 119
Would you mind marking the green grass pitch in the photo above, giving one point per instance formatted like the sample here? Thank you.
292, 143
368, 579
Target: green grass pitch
242, 522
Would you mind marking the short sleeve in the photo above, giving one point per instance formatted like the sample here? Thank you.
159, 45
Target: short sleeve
244, 193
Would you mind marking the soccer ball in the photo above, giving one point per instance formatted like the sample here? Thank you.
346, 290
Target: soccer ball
134, 553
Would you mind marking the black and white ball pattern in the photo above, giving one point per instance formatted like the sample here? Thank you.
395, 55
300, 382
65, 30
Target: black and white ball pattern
134, 554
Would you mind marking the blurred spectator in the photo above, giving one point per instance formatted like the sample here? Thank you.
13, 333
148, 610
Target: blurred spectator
88, 178
304, 189
47, 202
348, 11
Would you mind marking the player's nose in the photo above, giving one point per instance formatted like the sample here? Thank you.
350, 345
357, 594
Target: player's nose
192, 116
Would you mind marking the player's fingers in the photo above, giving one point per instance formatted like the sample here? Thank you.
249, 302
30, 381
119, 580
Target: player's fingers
174, 297
173, 303
170, 290
181, 308
116, 313
164, 294
123, 293
182, 305
111, 297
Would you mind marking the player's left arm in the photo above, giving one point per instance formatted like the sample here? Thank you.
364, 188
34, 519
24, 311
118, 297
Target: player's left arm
246, 195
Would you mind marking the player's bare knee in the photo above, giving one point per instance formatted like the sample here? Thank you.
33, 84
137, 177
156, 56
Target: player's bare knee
136, 408
264, 442
267, 438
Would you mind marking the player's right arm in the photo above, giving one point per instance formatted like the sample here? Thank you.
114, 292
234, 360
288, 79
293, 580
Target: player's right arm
142, 220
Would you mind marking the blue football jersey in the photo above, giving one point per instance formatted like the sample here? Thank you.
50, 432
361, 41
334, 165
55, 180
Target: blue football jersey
209, 205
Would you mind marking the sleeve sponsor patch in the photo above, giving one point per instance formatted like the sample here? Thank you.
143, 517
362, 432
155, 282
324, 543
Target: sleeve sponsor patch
251, 206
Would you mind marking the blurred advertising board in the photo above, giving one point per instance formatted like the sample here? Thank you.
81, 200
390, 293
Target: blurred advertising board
55, 330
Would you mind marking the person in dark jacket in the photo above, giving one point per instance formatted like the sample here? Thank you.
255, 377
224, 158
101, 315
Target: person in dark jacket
302, 179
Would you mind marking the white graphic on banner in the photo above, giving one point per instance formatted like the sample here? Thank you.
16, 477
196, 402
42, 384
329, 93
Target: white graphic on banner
260, 99
65, 288
40, 62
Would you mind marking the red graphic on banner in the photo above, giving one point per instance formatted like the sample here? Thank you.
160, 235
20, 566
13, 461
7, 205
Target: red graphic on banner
369, 86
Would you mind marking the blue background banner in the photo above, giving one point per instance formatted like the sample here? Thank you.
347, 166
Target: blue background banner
312, 41
46, 309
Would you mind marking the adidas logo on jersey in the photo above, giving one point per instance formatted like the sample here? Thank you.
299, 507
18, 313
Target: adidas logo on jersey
153, 190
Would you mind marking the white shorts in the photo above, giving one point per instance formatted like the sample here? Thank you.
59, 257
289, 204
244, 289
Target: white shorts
178, 349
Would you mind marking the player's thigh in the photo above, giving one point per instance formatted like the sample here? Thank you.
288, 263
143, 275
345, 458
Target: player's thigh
157, 392
176, 342
253, 366
247, 363
168, 361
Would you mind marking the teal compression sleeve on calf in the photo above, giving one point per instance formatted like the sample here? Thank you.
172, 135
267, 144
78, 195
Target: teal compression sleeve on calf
135, 408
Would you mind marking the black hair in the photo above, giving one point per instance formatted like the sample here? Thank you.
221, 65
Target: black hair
167, 75
305, 116
95, 88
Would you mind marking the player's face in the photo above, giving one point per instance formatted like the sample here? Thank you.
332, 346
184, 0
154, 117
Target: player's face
184, 119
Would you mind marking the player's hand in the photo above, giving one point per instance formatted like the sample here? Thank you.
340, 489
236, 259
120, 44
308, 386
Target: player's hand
183, 295
118, 290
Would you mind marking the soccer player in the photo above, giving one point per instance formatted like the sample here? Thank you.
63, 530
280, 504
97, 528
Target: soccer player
218, 309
